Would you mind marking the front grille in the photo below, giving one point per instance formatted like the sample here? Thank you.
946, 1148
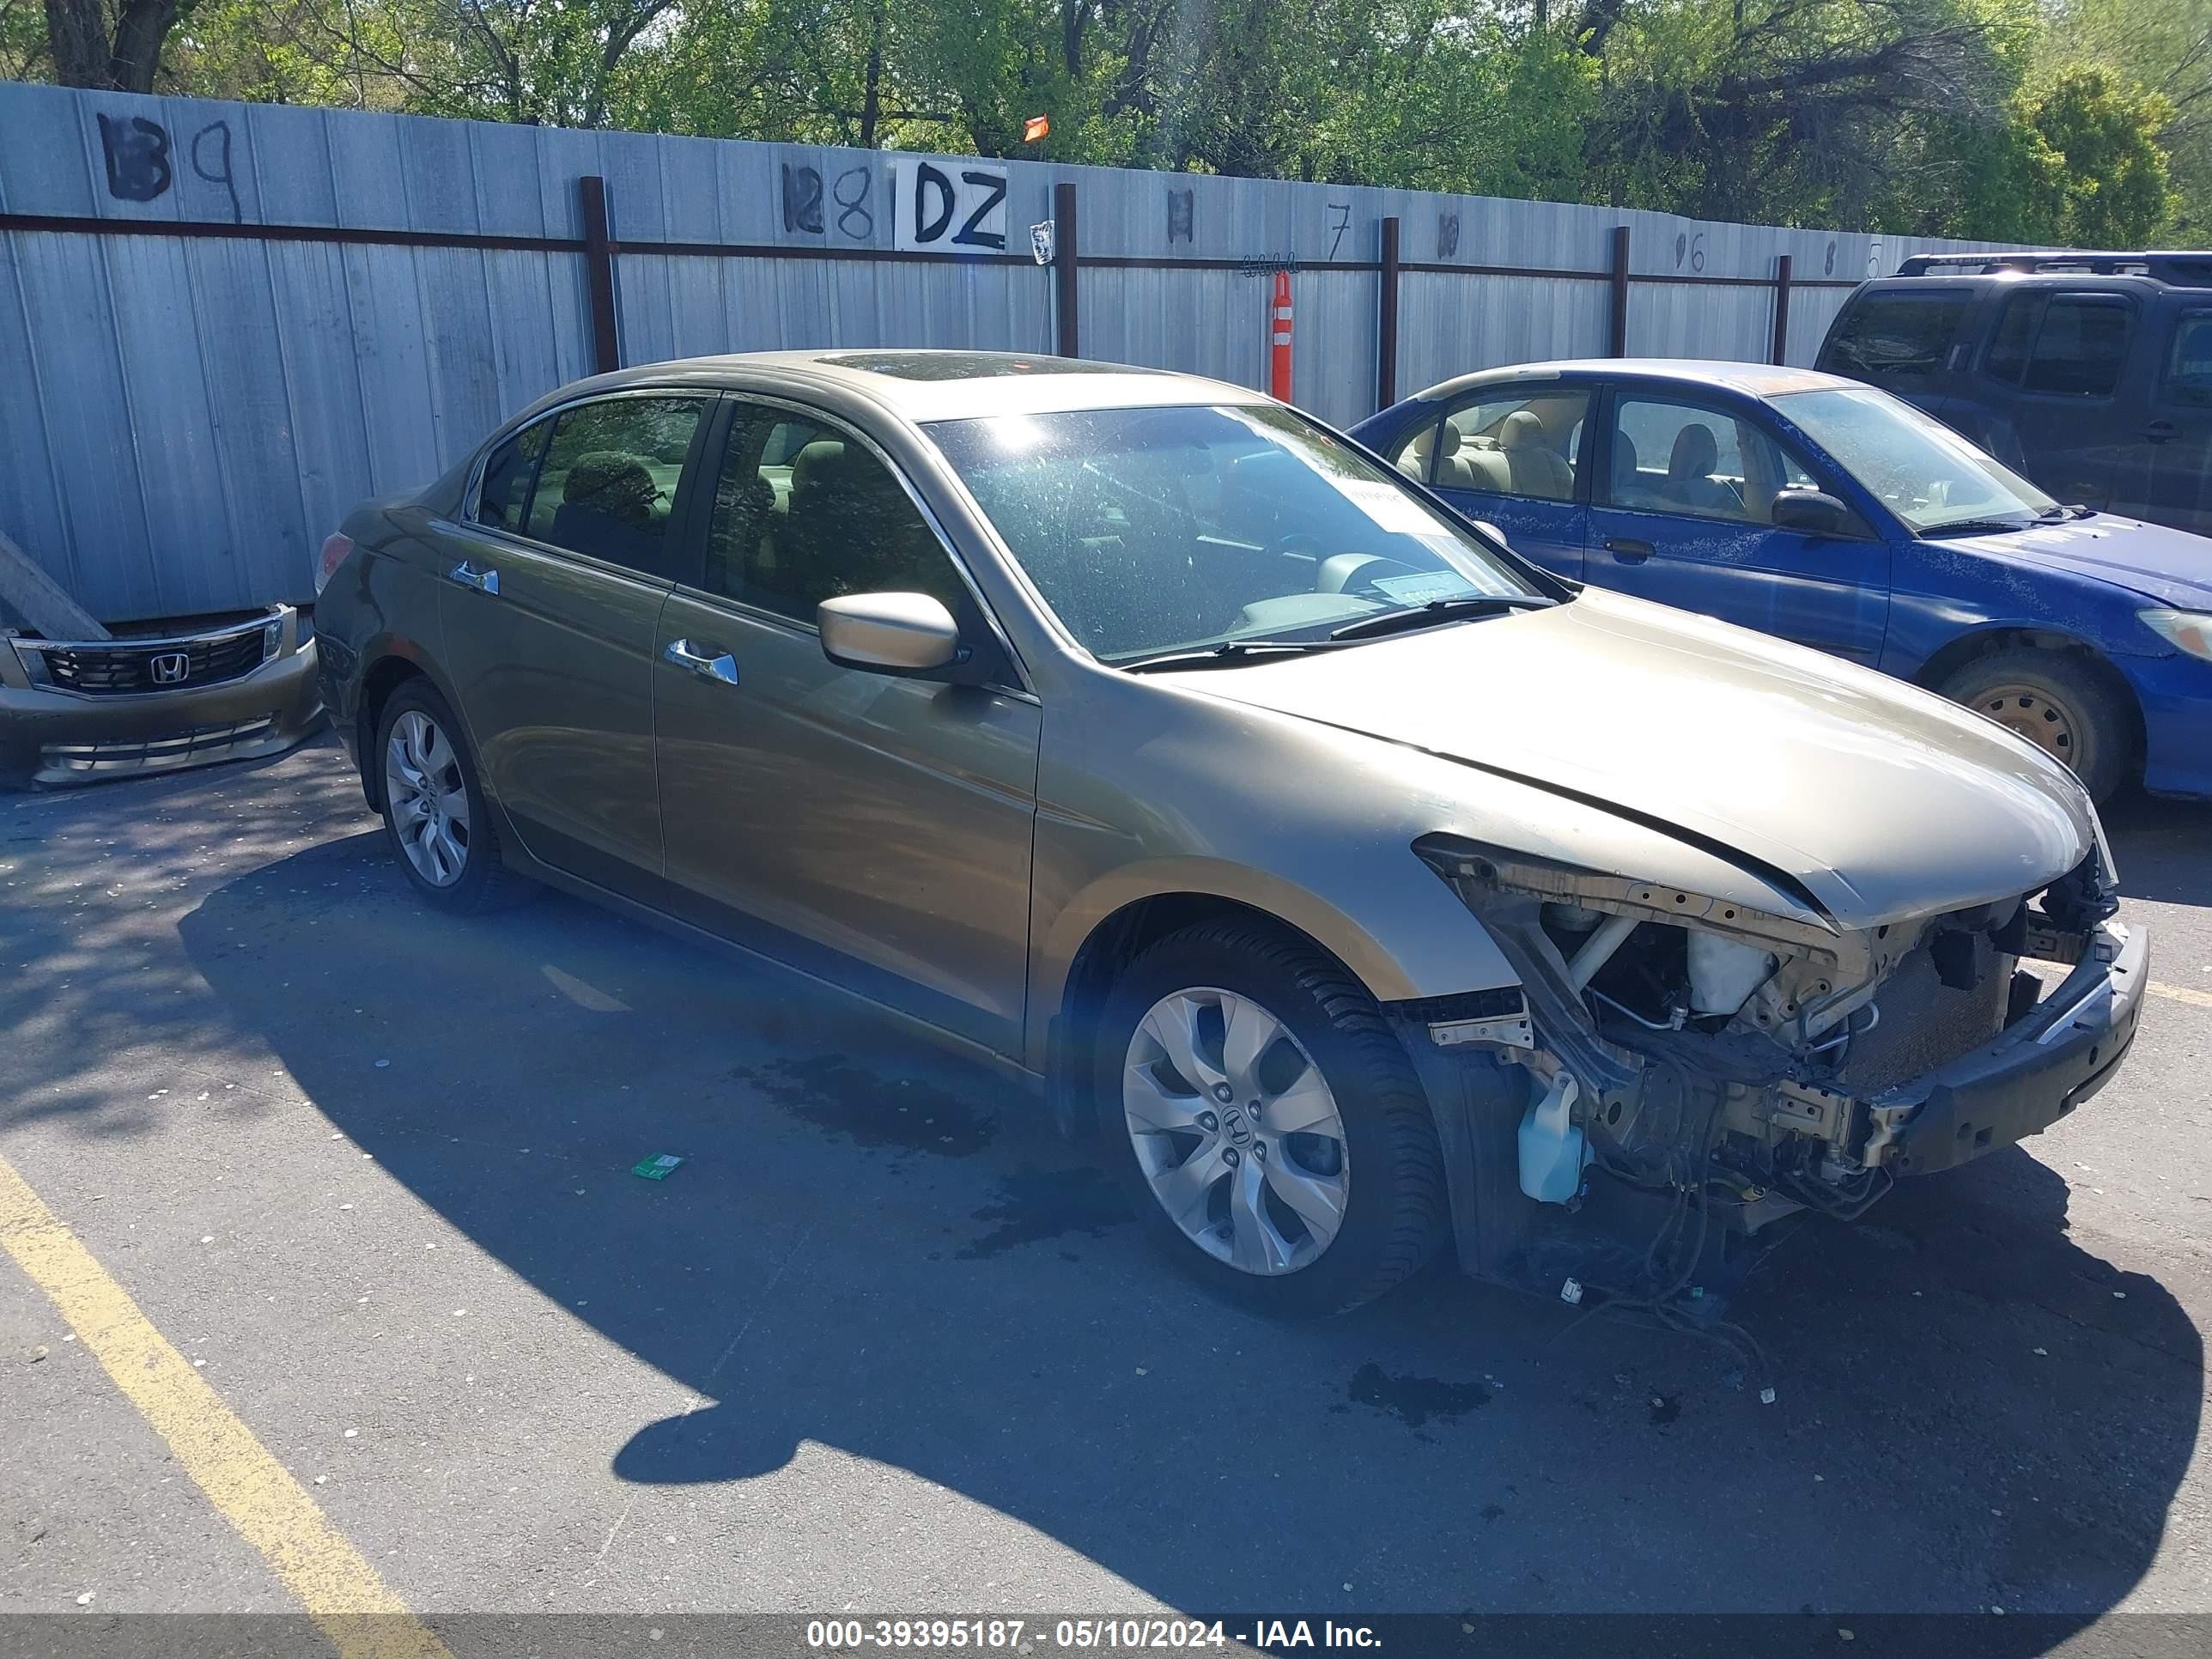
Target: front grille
122, 667
190, 747
1924, 1022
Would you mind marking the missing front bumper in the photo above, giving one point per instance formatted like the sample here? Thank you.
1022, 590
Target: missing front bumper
2033, 1073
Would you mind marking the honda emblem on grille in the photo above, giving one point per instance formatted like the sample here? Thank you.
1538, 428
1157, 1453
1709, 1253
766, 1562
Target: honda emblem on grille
171, 668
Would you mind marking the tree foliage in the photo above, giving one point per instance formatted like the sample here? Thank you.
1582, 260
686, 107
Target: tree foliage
2062, 120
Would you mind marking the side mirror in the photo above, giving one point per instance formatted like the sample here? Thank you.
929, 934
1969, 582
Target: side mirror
888, 633
1813, 512
1492, 532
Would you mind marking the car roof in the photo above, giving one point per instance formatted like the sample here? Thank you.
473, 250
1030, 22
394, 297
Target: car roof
925, 386
1756, 380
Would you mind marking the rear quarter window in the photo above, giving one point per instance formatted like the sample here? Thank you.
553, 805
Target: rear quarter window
1897, 339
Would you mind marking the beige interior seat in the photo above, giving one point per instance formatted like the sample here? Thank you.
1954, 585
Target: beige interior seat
1534, 467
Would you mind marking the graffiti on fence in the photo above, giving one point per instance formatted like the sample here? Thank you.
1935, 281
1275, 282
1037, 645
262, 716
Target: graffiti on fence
942, 211
1183, 214
1447, 235
139, 154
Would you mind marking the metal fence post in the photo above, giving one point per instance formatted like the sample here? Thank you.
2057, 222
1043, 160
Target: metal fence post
1386, 331
1064, 287
1620, 290
600, 273
1781, 308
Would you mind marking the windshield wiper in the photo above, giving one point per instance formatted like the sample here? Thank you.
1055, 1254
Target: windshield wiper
1231, 653
1975, 527
1440, 611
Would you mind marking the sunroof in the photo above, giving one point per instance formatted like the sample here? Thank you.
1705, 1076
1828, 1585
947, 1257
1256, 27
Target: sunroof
970, 365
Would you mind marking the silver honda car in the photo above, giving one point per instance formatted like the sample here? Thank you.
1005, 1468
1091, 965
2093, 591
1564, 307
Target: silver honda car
1360, 883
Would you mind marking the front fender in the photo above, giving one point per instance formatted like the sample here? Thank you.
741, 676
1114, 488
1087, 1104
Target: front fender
1412, 938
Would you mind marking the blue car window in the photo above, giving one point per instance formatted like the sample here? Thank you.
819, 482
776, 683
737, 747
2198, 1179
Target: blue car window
1517, 442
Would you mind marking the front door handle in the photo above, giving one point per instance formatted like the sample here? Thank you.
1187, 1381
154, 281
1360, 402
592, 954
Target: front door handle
2158, 431
1627, 550
484, 581
705, 661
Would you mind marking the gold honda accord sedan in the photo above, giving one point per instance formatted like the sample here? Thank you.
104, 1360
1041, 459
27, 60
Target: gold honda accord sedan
1359, 884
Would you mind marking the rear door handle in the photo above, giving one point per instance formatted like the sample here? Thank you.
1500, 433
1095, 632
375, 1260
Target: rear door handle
1627, 550
2158, 431
484, 581
705, 661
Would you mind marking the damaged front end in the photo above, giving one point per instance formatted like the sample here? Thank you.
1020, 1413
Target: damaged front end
1767, 1062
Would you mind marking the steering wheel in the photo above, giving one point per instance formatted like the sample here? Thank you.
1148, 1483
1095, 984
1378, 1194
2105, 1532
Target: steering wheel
1292, 543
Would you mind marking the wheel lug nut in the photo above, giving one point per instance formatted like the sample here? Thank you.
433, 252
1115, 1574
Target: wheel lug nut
1229, 1156
1207, 1121
1260, 1149
1224, 1093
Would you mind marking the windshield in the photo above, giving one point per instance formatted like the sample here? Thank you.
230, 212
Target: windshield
1165, 529
1925, 472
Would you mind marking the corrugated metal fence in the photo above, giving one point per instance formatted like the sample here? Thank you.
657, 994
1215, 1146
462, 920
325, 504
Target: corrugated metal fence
222, 325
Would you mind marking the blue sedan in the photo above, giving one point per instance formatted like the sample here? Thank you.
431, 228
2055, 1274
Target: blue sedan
1838, 516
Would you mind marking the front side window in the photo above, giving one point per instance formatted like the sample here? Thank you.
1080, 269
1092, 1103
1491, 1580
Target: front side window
607, 487
1670, 456
1152, 530
503, 496
2082, 345
804, 512
2074, 344
1897, 339
2005, 358
1926, 474
2188, 376
1519, 444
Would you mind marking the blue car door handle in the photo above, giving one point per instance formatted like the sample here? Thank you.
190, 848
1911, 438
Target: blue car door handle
1627, 550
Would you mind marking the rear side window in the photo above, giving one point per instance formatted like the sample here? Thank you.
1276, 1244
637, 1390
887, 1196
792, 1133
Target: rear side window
1518, 443
1895, 340
2073, 345
503, 498
2188, 376
608, 483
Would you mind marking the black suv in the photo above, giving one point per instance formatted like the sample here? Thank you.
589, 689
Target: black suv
2089, 372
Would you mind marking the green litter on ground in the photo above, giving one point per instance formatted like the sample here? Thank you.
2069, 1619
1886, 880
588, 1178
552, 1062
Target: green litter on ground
657, 1168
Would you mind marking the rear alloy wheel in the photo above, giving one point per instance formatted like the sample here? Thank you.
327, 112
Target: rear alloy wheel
433, 810
2057, 704
427, 801
1276, 1142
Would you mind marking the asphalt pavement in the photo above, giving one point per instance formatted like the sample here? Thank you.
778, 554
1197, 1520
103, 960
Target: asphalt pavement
883, 1343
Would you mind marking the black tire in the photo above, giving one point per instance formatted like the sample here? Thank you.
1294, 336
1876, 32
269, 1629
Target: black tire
1394, 1210
486, 882
2060, 702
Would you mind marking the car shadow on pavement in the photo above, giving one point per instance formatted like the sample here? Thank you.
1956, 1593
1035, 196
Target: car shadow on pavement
2161, 846
877, 1246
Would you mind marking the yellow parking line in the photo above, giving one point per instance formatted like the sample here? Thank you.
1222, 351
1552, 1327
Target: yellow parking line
255, 1493
2181, 994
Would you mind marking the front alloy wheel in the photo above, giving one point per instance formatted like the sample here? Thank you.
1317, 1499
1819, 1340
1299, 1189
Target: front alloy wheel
1236, 1131
428, 799
1266, 1119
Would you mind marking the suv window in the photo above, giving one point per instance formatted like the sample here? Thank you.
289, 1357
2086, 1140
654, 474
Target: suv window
2074, 344
805, 511
1896, 340
2188, 375
503, 496
609, 477
1518, 443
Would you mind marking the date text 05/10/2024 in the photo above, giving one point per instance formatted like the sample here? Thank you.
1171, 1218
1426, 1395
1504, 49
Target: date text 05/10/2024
1026, 1635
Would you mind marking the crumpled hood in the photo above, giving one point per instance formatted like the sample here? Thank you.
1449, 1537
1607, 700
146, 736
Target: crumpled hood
2171, 567
1884, 801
